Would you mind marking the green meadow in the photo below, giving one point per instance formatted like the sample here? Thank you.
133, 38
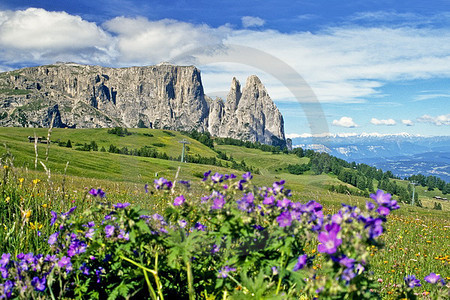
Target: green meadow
417, 240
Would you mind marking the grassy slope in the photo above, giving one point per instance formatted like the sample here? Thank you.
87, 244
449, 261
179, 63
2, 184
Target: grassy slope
415, 240
116, 167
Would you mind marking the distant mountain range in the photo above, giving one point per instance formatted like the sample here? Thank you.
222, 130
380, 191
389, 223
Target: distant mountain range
403, 154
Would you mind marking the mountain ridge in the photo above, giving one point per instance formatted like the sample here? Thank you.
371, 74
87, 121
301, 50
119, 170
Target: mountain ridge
163, 96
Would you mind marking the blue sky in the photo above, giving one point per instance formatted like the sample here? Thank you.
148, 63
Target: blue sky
350, 66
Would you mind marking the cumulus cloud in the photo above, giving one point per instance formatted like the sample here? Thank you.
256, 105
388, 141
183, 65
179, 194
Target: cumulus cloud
249, 21
408, 122
389, 122
42, 36
347, 64
438, 120
141, 41
345, 122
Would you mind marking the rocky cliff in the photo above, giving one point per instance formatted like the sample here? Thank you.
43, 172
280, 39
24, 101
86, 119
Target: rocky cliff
162, 96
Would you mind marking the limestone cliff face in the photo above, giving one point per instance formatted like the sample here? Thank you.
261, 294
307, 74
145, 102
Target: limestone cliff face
162, 96
248, 115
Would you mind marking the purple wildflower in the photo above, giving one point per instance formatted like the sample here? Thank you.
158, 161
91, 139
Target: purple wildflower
217, 177
329, 240
346, 262
269, 200
162, 184
284, 203
215, 248
38, 284
54, 217
121, 205
218, 202
109, 230
4, 272
411, 281
182, 223
348, 275
67, 214
84, 269
370, 206
186, 183
384, 211
274, 271
434, 278
123, 235
301, 262
337, 218
200, 226
247, 176
146, 188
384, 199
278, 186
64, 262
206, 175
5, 259
76, 247
53, 238
246, 202
284, 219
223, 273
97, 193
179, 200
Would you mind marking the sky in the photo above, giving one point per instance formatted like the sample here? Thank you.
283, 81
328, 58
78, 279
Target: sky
340, 67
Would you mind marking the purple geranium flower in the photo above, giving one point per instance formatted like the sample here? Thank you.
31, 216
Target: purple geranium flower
206, 175
97, 193
329, 240
199, 226
284, 203
223, 273
109, 230
301, 262
64, 262
121, 205
346, 262
179, 200
217, 177
146, 188
384, 211
39, 284
411, 281
53, 238
54, 217
370, 206
5, 259
434, 278
162, 184
284, 219
218, 202
269, 200
4, 272
247, 176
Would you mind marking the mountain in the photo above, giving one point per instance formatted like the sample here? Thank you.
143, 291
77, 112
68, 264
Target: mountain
162, 96
403, 154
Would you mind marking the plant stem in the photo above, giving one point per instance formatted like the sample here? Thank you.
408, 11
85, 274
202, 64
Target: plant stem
190, 281
150, 288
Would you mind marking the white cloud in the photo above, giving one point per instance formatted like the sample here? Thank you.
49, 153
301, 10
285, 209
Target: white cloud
141, 41
389, 122
345, 64
249, 21
408, 122
41, 36
438, 120
431, 96
345, 122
